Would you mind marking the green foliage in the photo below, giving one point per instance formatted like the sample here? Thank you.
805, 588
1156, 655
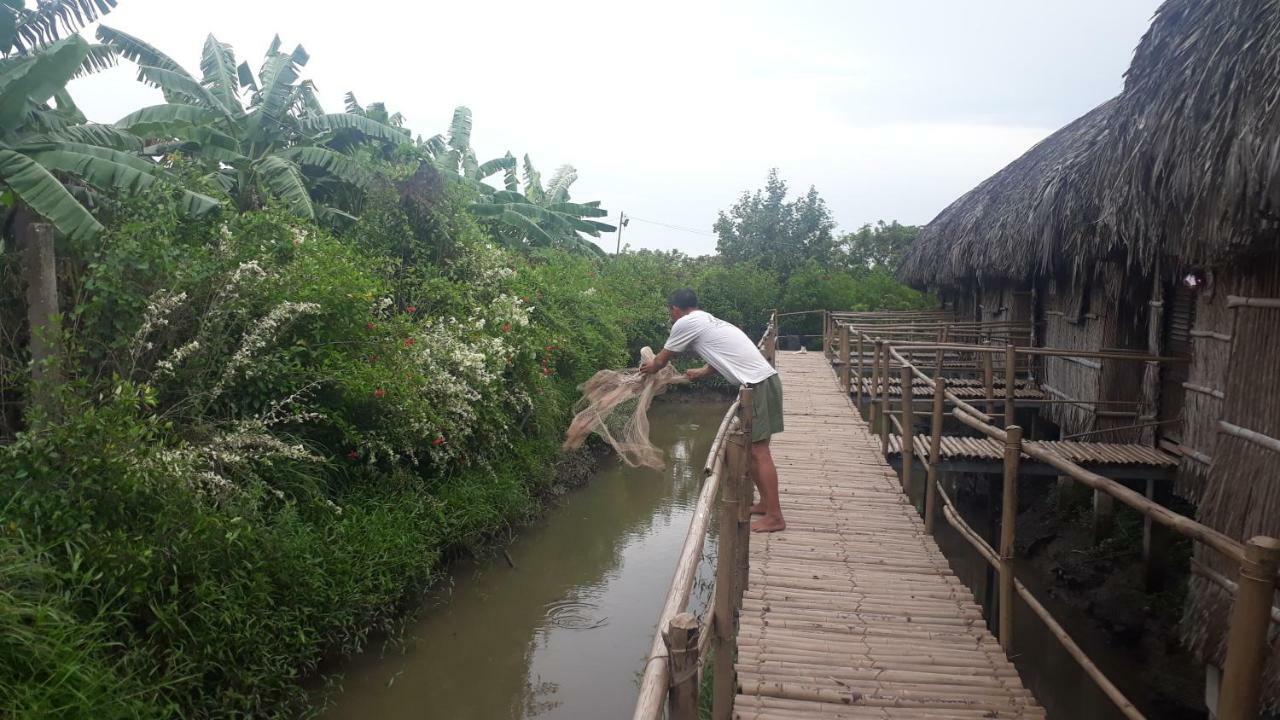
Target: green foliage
880, 246
779, 235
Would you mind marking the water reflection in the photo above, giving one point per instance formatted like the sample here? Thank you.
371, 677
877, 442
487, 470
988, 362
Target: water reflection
564, 634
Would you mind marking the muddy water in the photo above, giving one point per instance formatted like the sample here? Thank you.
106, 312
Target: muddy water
564, 634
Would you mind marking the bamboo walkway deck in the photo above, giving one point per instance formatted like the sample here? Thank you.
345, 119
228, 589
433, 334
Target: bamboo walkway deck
852, 611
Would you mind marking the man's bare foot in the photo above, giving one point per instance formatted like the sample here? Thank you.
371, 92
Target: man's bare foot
767, 524
757, 509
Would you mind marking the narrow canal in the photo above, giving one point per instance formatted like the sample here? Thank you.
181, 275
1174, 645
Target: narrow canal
565, 632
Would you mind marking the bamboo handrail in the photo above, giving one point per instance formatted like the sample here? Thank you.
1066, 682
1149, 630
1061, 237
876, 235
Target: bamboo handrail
1257, 560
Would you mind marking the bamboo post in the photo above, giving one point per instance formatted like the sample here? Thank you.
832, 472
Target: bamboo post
726, 570
1241, 689
826, 333
875, 382
1010, 380
884, 398
1008, 519
681, 638
744, 478
935, 452
844, 359
858, 391
908, 432
988, 383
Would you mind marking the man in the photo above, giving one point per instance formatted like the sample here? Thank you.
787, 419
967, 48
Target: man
728, 351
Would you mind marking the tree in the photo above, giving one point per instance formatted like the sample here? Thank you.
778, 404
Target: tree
880, 246
779, 235
544, 216
281, 145
740, 293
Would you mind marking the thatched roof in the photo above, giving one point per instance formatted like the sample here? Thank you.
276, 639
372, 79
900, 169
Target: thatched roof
998, 229
1185, 162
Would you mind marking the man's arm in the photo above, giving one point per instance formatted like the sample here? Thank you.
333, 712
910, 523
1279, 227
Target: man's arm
699, 373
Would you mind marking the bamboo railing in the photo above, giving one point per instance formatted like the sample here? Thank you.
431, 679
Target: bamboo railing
680, 646
1257, 560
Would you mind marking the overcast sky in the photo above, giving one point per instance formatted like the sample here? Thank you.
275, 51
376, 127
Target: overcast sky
670, 110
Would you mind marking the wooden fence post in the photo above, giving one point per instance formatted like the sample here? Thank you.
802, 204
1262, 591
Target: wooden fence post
1008, 519
681, 638
908, 440
884, 399
745, 485
1010, 380
873, 400
727, 560
988, 383
826, 333
844, 359
858, 375
935, 452
1241, 689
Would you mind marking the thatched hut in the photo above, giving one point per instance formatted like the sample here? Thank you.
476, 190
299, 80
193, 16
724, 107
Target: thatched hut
1152, 221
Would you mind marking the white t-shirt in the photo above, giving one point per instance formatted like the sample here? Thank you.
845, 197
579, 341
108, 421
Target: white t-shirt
722, 345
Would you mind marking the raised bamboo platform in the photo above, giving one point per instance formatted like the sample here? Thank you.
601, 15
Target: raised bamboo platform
852, 611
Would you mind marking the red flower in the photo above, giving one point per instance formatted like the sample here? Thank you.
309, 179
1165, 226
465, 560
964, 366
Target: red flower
524, 299
379, 393
369, 326
411, 309
408, 342
438, 441
373, 358
353, 455
506, 327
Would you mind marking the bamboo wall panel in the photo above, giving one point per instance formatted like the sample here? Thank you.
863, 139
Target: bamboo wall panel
1071, 378
1241, 496
1209, 356
853, 611
1084, 453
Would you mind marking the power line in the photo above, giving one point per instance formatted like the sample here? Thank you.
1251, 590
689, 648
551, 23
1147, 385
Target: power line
673, 227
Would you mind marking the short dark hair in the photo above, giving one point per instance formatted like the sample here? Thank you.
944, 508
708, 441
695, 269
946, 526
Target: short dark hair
683, 299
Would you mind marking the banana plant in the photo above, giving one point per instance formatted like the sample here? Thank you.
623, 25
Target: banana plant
44, 139
545, 215
23, 30
261, 136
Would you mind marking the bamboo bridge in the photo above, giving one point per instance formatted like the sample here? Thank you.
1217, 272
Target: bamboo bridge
853, 612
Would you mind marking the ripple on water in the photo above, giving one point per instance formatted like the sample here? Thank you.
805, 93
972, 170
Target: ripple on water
574, 615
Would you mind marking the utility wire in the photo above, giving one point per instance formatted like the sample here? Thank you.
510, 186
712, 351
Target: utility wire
673, 227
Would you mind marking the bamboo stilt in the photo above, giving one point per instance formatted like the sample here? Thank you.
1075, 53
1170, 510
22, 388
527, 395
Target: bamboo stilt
935, 453
844, 359
1008, 520
726, 562
908, 432
1010, 382
858, 403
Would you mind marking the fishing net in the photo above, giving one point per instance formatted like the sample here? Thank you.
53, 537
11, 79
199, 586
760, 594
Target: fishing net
615, 406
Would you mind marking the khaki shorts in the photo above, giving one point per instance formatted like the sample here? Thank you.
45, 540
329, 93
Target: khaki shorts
766, 407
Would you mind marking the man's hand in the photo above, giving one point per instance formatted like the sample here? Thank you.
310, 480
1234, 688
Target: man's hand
659, 361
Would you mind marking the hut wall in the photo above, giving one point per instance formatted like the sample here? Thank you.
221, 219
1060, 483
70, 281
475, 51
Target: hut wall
1241, 494
1211, 349
1069, 324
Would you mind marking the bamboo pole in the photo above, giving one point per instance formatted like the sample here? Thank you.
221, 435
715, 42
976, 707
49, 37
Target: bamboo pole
1010, 383
908, 432
726, 571
988, 383
745, 484
681, 639
858, 403
1122, 703
935, 453
884, 397
1241, 689
875, 382
844, 359
1008, 521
